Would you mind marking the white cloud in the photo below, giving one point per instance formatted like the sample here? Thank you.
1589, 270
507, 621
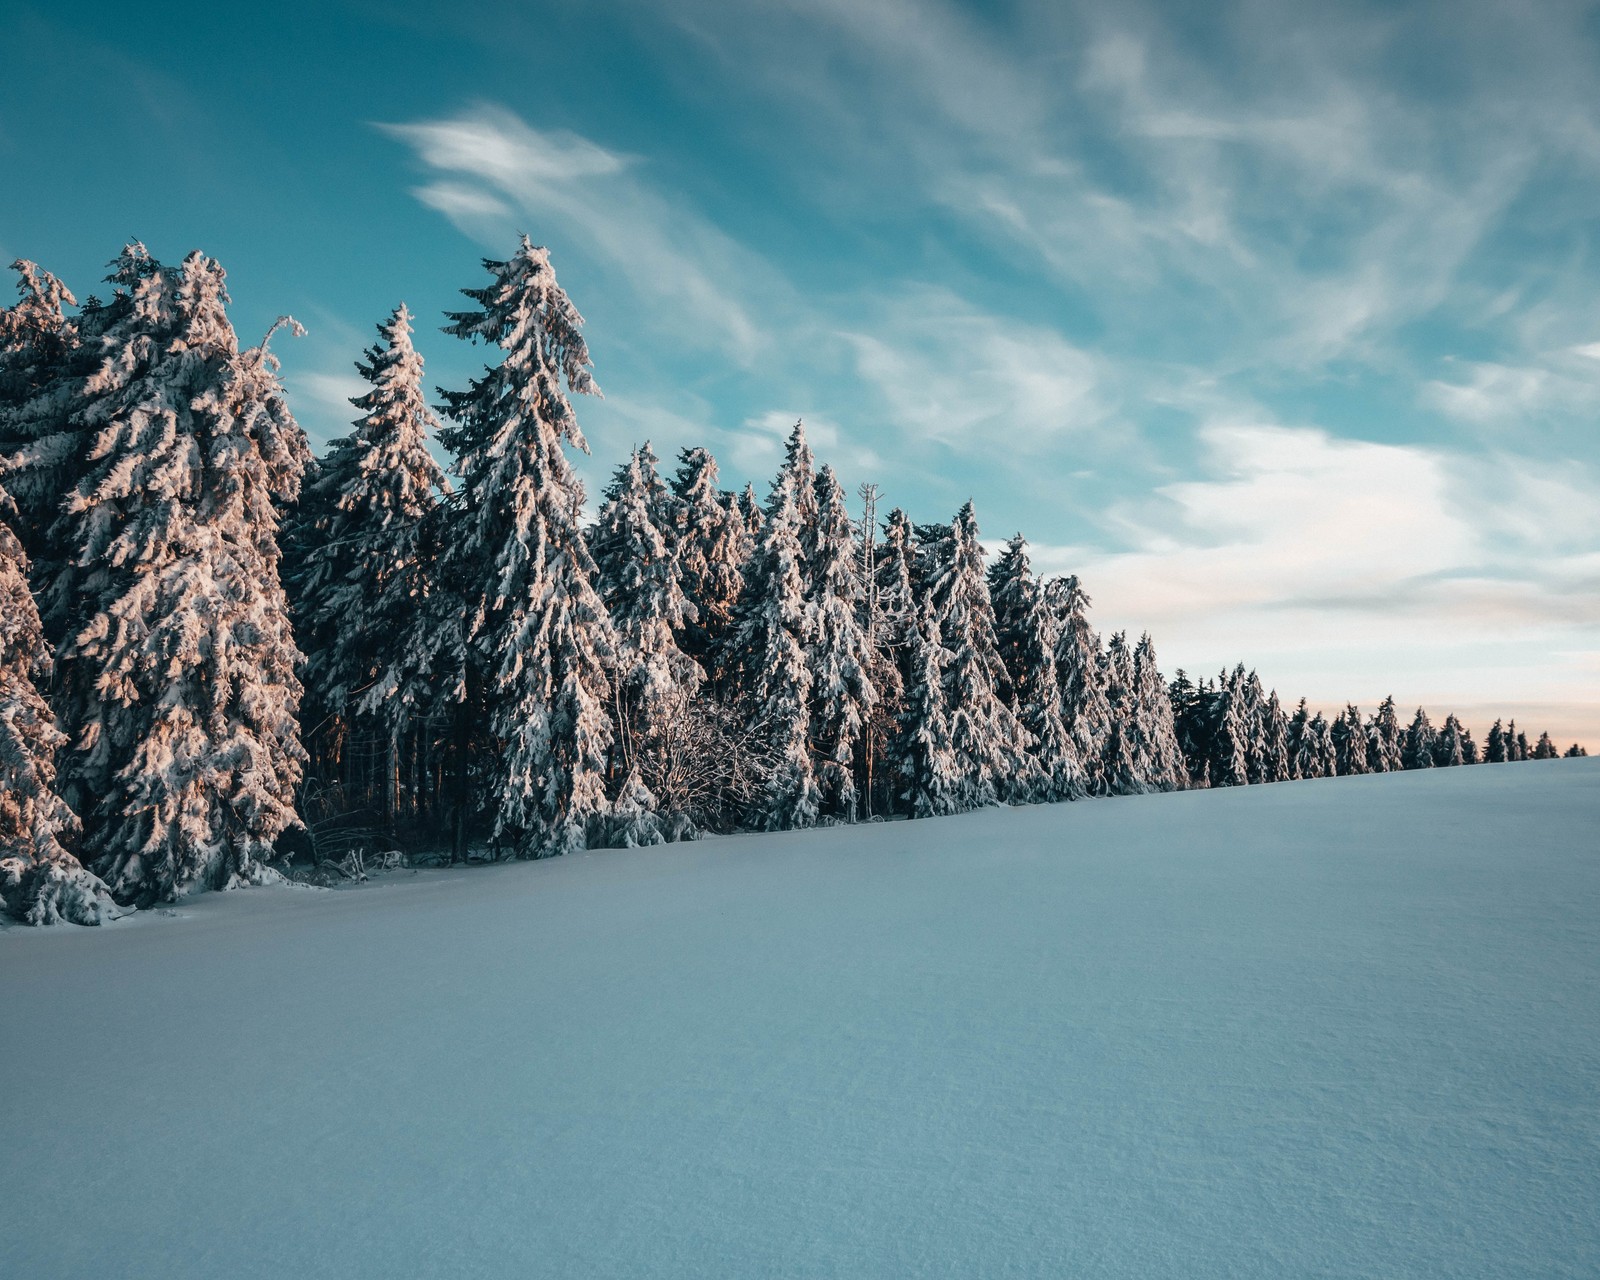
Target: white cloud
692, 279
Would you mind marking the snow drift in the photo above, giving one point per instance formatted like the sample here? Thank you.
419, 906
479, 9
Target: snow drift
1349, 1027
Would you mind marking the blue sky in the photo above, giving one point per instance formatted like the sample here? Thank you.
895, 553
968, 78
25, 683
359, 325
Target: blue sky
1282, 330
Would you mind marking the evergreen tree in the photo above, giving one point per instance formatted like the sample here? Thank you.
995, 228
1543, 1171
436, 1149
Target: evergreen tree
363, 574
1014, 597
839, 655
1350, 742
1495, 751
637, 577
1322, 745
773, 638
924, 752
1253, 714
991, 746
1469, 748
1229, 730
1418, 751
40, 881
530, 632
1121, 764
1516, 743
1084, 708
1274, 734
1447, 746
1574, 752
1524, 752
1305, 754
713, 545
1545, 750
1190, 718
179, 685
1385, 739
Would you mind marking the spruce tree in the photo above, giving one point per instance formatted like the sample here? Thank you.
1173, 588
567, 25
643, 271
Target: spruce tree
772, 640
1385, 739
991, 746
1448, 747
1305, 757
1495, 751
839, 655
1546, 749
637, 577
1084, 709
1350, 741
713, 545
924, 752
1014, 597
1419, 743
1161, 757
1121, 763
179, 684
1274, 741
1230, 730
1523, 750
40, 881
364, 572
532, 634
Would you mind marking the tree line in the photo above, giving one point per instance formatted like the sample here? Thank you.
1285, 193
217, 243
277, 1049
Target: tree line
221, 656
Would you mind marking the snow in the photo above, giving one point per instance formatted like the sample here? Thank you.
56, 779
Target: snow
1348, 1026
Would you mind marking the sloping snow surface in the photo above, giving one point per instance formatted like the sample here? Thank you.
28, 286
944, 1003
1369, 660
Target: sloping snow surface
1346, 1027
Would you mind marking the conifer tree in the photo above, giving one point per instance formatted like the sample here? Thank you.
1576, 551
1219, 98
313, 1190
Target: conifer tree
1190, 715
1495, 751
991, 746
363, 574
842, 690
713, 545
1385, 739
1545, 750
40, 881
1275, 765
1305, 755
1350, 742
1230, 730
530, 631
924, 750
1253, 714
1084, 709
1122, 766
1014, 596
179, 685
773, 637
1419, 743
1521, 739
1448, 748
637, 577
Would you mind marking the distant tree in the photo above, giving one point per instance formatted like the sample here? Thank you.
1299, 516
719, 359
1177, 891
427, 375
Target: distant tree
924, 752
1420, 742
713, 544
1274, 735
1350, 742
1545, 750
1385, 739
1084, 708
773, 637
842, 690
1574, 752
1497, 749
1448, 746
1161, 757
1120, 763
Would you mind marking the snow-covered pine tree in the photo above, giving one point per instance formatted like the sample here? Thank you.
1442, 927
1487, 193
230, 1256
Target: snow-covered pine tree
1121, 765
1350, 741
40, 881
895, 602
842, 691
1253, 710
772, 640
637, 577
1229, 730
1574, 752
751, 514
1320, 737
1469, 747
179, 686
1385, 739
1190, 718
533, 634
45, 356
1494, 751
1305, 758
1521, 739
1084, 709
991, 746
1161, 758
1274, 741
1419, 743
364, 573
1448, 748
713, 545
1545, 749
1014, 596
923, 752
1026, 636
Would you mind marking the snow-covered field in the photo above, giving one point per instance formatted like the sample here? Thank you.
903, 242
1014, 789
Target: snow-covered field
1346, 1027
